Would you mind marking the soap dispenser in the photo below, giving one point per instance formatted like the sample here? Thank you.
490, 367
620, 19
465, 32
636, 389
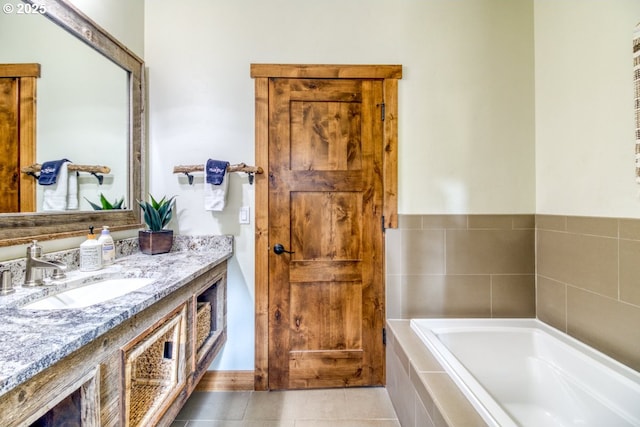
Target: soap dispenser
90, 253
108, 247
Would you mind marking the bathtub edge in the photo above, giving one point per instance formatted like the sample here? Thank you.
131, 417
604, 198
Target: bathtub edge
440, 400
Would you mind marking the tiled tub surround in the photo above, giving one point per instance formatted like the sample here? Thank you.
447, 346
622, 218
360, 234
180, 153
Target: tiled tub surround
588, 281
461, 266
31, 341
422, 393
578, 274
581, 275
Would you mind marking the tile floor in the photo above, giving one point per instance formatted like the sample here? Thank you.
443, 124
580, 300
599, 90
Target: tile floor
354, 407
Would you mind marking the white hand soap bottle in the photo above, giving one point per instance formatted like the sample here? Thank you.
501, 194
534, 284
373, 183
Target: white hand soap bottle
90, 253
108, 247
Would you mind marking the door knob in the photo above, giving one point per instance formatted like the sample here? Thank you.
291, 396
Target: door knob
279, 249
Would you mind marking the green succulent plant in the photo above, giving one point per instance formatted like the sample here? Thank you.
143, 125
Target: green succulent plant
106, 205
157, 214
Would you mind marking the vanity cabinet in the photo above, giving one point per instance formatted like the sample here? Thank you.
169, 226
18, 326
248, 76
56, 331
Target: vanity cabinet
76, 405
140, 373
210, 325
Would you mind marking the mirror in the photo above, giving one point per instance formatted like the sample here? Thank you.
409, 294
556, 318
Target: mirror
121, 140
81, 113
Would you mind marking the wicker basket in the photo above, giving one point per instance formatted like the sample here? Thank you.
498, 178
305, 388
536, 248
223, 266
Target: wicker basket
203, 320
150, 376
145, 398
151, 366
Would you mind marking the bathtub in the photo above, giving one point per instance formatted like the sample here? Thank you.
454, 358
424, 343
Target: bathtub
522, 372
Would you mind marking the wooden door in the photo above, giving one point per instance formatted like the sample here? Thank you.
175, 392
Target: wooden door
17, 136
325, 206
10, 158
327, 147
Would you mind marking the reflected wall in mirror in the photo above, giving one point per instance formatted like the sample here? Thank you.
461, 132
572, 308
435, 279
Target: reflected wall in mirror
90, 110
82, 108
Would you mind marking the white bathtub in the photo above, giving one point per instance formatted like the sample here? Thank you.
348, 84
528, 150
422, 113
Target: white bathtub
522, 372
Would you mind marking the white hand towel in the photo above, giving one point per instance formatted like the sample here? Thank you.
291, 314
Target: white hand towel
72, 191
215, 196
55, 195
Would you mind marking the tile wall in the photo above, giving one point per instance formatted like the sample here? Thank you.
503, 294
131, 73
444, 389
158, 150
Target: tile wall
588, 274
461, 266
578, 274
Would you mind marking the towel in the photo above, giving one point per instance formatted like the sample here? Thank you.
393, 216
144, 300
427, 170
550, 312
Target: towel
216, 184
62, 195
49, 171
215, 170
72, 191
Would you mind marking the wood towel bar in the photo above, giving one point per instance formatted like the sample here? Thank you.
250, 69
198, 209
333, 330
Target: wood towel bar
94, 170
240, 167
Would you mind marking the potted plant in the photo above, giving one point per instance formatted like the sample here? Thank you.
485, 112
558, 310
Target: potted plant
157, 214
106, 205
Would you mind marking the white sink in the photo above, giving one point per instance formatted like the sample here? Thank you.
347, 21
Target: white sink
91, 294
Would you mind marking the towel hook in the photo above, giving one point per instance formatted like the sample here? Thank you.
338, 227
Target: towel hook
99, 177
250, 177
189, 177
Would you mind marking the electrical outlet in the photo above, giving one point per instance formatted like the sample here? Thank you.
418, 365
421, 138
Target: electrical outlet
243, 218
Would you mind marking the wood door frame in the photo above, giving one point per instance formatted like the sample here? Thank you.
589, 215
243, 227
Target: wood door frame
261, 73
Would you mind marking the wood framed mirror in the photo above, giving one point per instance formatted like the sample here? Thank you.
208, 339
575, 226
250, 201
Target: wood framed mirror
19, 228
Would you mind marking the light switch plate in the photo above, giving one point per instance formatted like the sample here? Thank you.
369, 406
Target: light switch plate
243, 218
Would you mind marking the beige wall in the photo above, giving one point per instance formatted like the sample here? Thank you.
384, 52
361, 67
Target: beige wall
466, 105
584, 96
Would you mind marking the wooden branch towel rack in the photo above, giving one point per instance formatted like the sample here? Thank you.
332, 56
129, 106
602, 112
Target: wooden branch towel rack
95, 170
240, 167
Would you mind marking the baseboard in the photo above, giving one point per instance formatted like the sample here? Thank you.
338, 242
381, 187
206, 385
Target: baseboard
226, 380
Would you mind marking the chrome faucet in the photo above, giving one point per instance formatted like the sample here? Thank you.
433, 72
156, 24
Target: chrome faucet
35, 265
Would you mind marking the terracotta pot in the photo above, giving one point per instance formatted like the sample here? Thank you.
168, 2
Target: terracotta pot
155, 242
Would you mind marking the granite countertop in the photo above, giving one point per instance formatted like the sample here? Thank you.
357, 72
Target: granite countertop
33, 340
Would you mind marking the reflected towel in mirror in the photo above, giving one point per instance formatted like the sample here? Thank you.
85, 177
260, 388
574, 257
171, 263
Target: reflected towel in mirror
50, 171
63, 194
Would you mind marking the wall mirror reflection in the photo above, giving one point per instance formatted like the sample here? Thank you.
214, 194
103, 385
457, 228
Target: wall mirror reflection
81, 110
88, 109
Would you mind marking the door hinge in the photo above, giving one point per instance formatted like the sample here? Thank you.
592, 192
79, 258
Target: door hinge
383, 227
382, 111
384, 336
